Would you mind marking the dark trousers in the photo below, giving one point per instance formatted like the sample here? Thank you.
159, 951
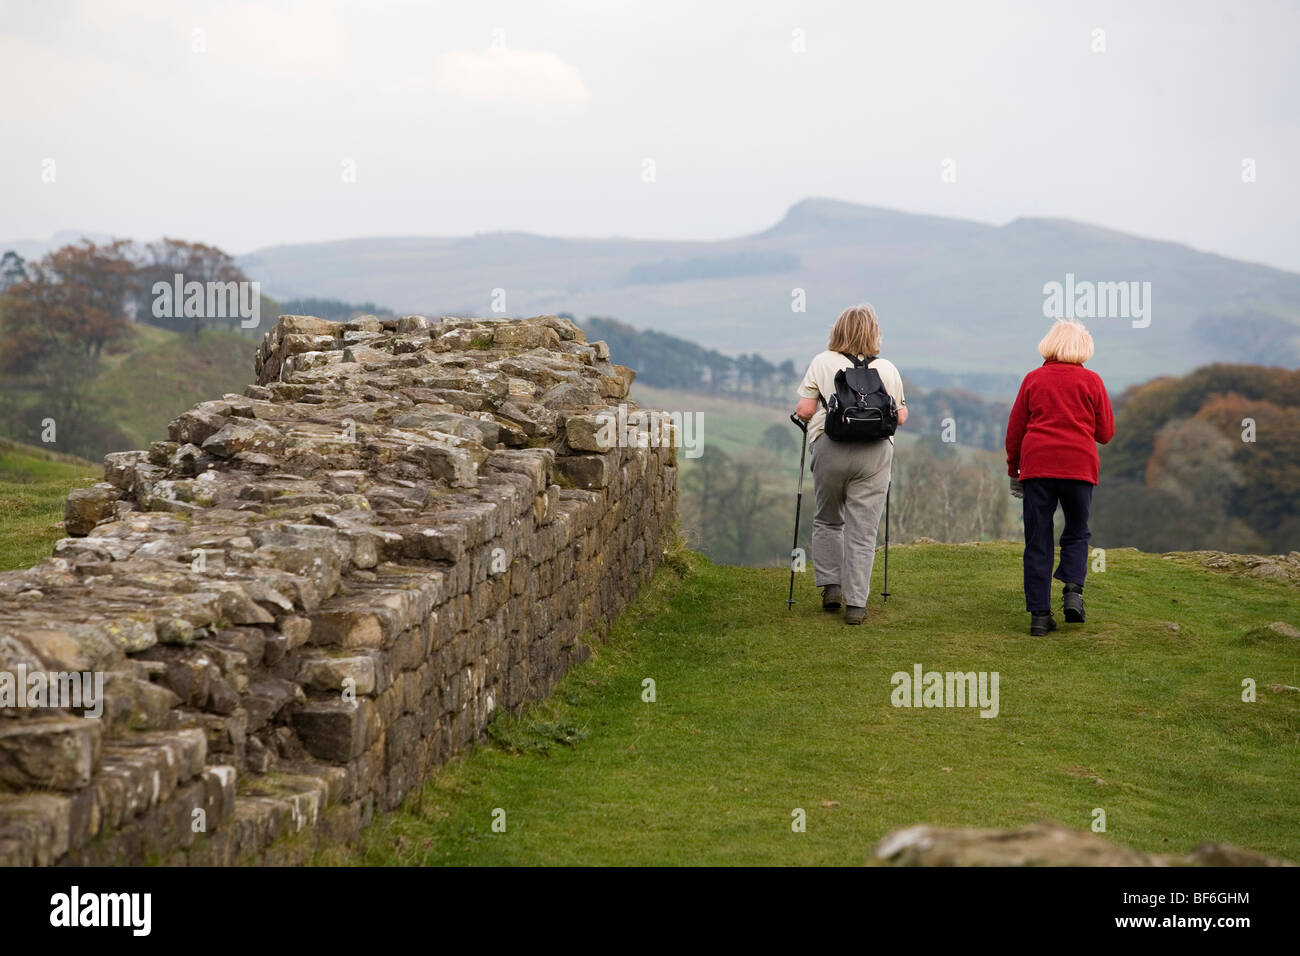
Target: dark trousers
1041, 498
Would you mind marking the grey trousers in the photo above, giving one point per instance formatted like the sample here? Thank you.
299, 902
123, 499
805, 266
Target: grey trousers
850, 480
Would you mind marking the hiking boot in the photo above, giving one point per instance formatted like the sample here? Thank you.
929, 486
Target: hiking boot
1072, 598
832, 597
1040, 625
854, 615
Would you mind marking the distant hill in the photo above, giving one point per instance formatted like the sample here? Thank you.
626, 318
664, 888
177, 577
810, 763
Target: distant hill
32, 249
961, 302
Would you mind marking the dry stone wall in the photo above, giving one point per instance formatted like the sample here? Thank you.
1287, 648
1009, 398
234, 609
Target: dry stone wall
319, 590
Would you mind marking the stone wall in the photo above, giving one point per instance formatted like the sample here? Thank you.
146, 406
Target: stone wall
315, 592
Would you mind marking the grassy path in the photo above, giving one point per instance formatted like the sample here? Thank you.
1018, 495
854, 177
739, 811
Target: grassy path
761, 710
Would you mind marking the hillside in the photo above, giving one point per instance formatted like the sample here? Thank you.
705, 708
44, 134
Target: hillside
760, 711
33, 484
955, 297
1222, 443
168, 374
133, 394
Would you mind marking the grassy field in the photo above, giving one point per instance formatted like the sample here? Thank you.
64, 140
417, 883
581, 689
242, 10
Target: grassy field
761, 710
33, 484
734, 426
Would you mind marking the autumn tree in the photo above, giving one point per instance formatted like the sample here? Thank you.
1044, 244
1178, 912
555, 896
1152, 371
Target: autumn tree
1263, 439
73, 302
55, 324
162, 261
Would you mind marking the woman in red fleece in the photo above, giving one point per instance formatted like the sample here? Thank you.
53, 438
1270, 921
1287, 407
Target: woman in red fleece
1061, 413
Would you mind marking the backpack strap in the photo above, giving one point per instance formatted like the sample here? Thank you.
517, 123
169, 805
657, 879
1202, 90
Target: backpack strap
857, 362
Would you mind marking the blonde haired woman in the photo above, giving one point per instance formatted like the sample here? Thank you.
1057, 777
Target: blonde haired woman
1060, 415
850, 478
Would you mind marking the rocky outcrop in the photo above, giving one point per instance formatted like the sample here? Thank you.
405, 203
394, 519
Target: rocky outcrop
1046, 843
1277, 567
315, 592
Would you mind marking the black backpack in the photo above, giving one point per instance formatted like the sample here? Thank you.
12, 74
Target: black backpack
861, 409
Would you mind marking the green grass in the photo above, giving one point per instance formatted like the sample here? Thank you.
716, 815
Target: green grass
33, 484
762, 710
166, 373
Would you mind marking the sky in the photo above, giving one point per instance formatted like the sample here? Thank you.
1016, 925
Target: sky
254, 124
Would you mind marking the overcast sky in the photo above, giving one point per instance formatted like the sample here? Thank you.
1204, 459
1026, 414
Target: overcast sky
240, 123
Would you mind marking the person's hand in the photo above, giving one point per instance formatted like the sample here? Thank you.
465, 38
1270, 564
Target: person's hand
1017, 489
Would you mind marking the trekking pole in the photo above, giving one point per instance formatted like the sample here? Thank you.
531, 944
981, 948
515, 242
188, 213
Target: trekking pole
798, 504
885, 593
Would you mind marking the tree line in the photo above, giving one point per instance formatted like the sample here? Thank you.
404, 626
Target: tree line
1208, 460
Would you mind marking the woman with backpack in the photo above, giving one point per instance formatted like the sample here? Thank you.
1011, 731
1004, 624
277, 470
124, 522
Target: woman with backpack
1060, 415
852, 400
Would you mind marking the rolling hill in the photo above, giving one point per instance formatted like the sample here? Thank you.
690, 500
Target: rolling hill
957, 298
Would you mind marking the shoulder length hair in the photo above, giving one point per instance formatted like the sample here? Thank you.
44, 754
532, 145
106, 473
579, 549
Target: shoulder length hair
856, 331
1066, 341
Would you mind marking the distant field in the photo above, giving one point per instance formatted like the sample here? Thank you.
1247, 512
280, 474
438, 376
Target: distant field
33, 484
734, 426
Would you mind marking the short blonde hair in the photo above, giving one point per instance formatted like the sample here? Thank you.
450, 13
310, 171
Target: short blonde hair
856, 331
1066, 341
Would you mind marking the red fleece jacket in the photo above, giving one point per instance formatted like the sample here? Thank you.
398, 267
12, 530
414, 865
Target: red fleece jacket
1061, 413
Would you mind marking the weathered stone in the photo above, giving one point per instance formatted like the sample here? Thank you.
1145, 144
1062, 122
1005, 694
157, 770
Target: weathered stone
243, 436
348, 623
87, 507
586, 471
333, 674
333, 730
568, 395
590, 433
1045, 843
49, 753
340, 573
